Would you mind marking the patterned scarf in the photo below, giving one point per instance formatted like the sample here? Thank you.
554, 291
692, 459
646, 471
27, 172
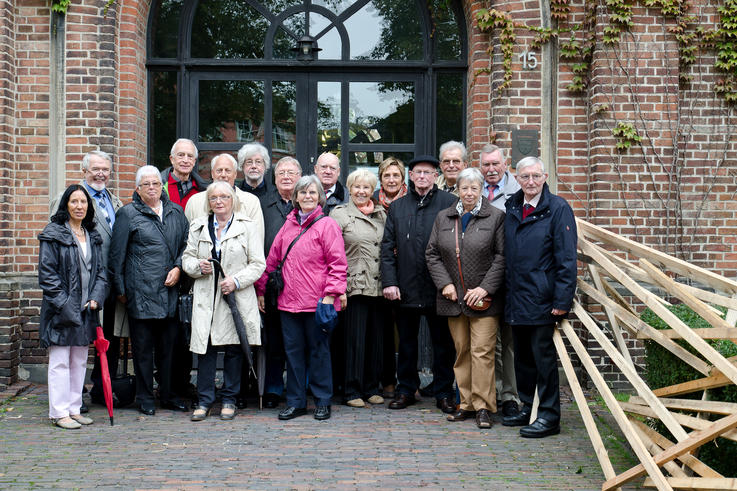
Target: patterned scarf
385, 201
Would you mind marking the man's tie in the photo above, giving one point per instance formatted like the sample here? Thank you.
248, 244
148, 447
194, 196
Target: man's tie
100, 196
491, 191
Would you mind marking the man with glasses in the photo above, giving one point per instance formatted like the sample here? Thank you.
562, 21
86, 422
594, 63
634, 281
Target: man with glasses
540, 245
327, 169
406, 279
181, 181
453, 159
254, 159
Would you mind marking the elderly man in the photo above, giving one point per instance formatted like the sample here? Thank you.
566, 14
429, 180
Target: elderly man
180, 180
254, 159
500, 185
327, 169
97, 167
276, 205
405, 278
453, 159
540, 235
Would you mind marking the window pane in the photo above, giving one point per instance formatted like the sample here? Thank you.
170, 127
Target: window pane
371, 161
329, 43
284, 120
328, 117
448, 44
335, 6
228, 29
164, 116
231, 111
166, 29
382, 112
449, 119
386, 30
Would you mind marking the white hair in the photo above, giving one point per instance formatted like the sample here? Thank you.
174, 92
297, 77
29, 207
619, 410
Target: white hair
147, 170
529, 162
470, 174
450, 145
251, 149
228, 157
184, 140
96, 153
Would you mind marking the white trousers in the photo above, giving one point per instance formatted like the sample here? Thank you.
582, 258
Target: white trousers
67, 366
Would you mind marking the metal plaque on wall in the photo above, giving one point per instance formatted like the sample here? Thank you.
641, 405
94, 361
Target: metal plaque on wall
524, 144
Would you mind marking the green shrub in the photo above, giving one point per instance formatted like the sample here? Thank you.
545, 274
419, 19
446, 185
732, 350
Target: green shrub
662, 368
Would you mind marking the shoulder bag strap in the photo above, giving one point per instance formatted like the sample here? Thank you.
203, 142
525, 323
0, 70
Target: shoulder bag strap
458, 256
281, 263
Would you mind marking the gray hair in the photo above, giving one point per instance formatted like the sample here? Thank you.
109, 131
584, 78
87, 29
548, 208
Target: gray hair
285, 160
450, 145
184, 140
147, 170
529, 162
251, 149
226, 155
222, 186
305, 182
470, 174
362, 175
96, 153
491, 148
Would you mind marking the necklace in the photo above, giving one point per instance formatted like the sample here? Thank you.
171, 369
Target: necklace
79, 233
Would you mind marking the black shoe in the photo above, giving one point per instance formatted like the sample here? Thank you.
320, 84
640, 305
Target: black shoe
174, 405
460, 415
322, 412
147, 410
447, 405
509, 408
291, 412
522, 418
271, 401
83, 408
401, 401
483, 419
240, 402
540, 428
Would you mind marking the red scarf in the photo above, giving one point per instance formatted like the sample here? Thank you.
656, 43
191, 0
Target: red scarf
385, 201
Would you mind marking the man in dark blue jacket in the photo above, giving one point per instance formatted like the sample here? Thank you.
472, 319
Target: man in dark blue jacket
540, 249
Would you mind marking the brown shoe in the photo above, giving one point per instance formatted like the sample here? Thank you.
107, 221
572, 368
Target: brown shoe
401, 401
447, 405
483, 419
460, 415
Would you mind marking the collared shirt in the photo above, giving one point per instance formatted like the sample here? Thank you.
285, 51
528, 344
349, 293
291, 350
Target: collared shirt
330, 191
534, 201
108, 202
498, 187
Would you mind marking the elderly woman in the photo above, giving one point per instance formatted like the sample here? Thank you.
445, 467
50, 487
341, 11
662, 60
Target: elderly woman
145, 265
362, 222
314, 271
391, 178
72, 278
464, 281
234, 241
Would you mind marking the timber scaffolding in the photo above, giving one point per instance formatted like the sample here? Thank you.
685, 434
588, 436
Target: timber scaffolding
691, 422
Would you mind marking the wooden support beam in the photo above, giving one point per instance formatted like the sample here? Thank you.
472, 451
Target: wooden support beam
703, 333
714, 407
708, 483
683, 419
613, 324
671, 467
711, 382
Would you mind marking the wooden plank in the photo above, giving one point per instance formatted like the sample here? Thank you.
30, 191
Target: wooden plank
709, 483
711, 297
614, 294
715, 407
674, 288
669, 317
703, 333
711, 382
731, 317
683, 419
694, 440
718, 282
692, 462
638, 325
629, 371
613, 324
671, 467
637, 446
583, 407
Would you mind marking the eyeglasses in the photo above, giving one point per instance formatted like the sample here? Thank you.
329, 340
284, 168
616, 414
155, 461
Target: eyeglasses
327, 167
150, 184
215, 199
527, 177
423, 172
99, 171
453, 162
253, 162
290, 173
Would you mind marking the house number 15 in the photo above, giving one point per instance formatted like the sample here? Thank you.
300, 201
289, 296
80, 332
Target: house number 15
528, 59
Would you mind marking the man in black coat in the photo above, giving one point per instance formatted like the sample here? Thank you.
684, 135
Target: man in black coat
327, 169
540, 249
405, 278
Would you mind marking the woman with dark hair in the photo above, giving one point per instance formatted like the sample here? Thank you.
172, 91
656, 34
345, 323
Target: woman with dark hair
73, 281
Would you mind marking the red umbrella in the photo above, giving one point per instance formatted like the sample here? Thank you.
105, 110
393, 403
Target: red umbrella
101, 345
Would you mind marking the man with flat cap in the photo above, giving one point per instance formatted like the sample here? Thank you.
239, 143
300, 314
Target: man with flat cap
406, 279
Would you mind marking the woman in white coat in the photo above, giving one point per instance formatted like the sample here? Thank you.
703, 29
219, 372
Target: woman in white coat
232, 239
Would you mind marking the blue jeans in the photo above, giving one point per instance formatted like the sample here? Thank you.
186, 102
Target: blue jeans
206, 366
307, 350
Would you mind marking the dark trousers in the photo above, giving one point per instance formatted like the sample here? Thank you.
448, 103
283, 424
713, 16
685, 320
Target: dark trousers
408, 326
274, 380
148, 335
206, 367
307, 349
536, 364
113, 352
181, 362
388, 346
362, 348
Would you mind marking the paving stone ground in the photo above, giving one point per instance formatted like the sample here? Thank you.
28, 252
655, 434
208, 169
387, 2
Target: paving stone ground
356, 448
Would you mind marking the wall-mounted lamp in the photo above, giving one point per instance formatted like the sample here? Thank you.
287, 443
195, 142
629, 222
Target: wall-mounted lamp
306, 48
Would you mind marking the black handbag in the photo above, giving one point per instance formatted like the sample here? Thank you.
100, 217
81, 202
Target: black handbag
124, 386
184, 308
275, 280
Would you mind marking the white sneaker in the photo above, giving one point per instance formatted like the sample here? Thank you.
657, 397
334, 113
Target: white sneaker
83, 420
356, 403
67, 423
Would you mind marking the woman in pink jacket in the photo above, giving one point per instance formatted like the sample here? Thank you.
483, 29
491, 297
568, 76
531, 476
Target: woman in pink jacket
314, 271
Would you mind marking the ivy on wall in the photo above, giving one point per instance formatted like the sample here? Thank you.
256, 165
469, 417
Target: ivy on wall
62, 6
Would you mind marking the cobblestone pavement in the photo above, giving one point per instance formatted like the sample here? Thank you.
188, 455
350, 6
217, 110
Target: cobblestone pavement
356, 448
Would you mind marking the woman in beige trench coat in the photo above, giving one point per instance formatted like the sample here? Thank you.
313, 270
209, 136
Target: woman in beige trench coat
233, 239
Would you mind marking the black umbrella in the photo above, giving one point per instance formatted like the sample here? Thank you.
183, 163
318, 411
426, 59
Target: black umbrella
240, 328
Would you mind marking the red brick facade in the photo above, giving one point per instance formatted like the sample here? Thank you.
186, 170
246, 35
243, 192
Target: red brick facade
674, 190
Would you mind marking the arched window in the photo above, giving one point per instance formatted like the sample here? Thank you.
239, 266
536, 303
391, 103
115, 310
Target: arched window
364, 79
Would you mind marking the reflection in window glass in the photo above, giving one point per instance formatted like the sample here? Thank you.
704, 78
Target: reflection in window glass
284, 120
283, 44
328, 117
164, 116
447, 35
449, 119
386, 30
279, 6
228, 29
382, 112
371, 161
231, 111
335, 6
166, 29
329, 43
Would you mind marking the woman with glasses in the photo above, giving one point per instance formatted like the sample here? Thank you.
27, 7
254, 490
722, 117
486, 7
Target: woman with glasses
233, 240
145, 266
